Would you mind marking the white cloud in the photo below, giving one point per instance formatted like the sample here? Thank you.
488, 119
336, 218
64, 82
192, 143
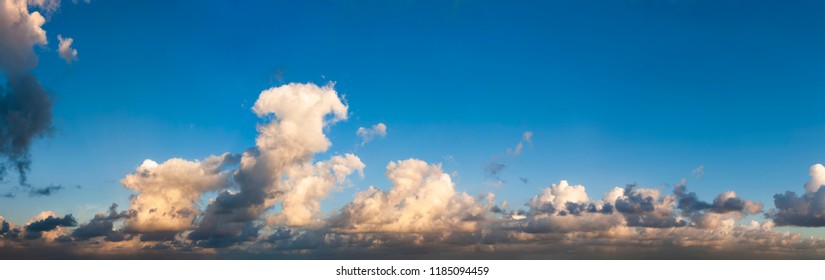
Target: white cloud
167, 193
817, 172
281, 167
20, 30
557, 195
369, 134
65, 49
422, 199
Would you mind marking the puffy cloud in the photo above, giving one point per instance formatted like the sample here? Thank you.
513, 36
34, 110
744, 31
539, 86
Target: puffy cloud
167, 193
422, 199
48, 222
25, 107
817, 173
556, 197
806, 210
280, 169
301, 205
369, 134
65, 49
101, 225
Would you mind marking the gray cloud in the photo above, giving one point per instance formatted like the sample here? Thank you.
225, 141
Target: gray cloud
45, 191
25, 106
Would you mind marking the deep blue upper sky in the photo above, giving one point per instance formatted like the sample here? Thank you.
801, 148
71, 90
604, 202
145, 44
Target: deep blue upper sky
615, 92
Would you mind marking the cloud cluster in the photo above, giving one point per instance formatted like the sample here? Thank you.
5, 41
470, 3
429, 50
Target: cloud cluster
280, 169
266, 203
806, 210
422, 199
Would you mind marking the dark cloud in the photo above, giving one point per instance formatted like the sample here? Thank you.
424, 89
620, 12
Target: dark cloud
25, 114
101, 225
635, 202
524, 180
249, 233
230, 214
690, 204
45, 191
5, 228
688, 201
51, 223
807, 210
639, 210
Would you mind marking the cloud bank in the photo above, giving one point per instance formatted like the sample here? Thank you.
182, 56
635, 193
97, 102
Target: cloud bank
265, 202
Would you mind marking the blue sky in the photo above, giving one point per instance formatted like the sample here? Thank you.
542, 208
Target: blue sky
615, 92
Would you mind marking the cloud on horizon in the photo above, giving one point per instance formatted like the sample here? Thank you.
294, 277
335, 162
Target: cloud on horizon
267, 199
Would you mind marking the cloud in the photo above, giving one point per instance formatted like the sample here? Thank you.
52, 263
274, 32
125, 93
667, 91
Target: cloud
65, 49
25, 107
101, 225
167, 193
817, 173
526, 139
45, 191
806, 210
556, 196
35, 229
280, 168
422, 199
369, 134
266, 203
699, 172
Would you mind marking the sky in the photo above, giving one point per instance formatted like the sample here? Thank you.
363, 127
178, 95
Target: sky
504, 110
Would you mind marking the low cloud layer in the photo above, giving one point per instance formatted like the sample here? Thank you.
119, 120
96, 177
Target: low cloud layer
265, 202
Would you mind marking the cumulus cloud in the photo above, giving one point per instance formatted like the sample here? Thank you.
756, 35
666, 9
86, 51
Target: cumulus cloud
806, 210
167, 193
368, 134
280, 168
65, 49
266, 202
422, 199
25, 106
48, 225
101, 225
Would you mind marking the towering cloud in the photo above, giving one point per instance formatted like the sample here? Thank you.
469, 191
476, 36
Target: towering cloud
280, 168
25, 107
